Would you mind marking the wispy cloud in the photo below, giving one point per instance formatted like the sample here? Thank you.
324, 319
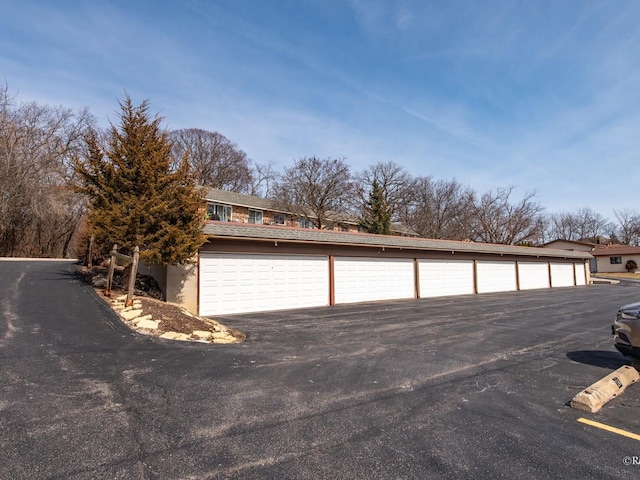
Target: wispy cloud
538, 94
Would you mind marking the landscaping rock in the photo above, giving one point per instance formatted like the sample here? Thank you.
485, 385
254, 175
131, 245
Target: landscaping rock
202, 334
151, 316
136, 321
148, 324
130, 314
225, 339
175, 336
222, 337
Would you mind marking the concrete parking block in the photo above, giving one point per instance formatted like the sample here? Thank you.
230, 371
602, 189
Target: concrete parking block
592, 399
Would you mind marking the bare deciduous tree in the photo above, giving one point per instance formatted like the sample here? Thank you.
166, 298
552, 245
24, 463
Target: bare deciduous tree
38, 211
628, 226
438, 209
495, 219
591, 225
582, 225
264, 175
563, 226
314, 189
215, 160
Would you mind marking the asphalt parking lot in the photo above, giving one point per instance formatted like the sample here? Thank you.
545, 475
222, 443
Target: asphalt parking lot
466, 387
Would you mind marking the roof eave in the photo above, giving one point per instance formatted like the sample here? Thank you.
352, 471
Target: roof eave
276, 234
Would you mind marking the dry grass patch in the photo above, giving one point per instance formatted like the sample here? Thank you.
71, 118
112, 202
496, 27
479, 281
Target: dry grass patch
632, 276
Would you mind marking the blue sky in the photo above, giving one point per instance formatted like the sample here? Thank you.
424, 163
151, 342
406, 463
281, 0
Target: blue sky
541, 95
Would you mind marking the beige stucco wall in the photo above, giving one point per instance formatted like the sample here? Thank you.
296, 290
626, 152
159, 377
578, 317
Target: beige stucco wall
182, 286
179, 284
605, 266
156, 271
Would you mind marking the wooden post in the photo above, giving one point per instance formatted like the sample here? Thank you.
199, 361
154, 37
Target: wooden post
90, 260
112, 266
132, 276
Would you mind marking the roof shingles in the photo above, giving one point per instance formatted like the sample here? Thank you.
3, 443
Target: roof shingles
327, 237
615, 250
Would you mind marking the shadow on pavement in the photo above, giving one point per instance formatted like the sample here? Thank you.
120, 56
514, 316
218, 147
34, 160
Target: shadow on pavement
599, 358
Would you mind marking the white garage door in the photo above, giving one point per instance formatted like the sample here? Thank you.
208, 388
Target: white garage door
581, 274
562, 275
496, 276
533, 275
445, 277
242, 283
368, 279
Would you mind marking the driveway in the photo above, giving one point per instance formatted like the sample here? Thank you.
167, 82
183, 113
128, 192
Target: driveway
467, 387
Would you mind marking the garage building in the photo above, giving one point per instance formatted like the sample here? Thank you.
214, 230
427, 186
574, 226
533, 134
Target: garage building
252, 268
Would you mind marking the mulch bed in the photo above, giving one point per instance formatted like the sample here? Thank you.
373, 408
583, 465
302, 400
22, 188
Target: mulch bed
173, 318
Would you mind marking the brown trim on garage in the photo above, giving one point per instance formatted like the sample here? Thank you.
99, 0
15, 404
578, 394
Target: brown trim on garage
475, 276
332, 281
517, 275
416, 277
198, 277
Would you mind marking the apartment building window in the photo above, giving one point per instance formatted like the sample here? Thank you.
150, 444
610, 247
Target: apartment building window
219, 212
305, 223
255, 216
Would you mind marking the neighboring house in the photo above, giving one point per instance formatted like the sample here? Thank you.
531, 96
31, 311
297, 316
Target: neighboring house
614, 258
575, 247
225, 206
606, 258
570, 245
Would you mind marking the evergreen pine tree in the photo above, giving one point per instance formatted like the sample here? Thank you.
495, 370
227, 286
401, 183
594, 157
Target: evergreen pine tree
377, 217
135, 197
